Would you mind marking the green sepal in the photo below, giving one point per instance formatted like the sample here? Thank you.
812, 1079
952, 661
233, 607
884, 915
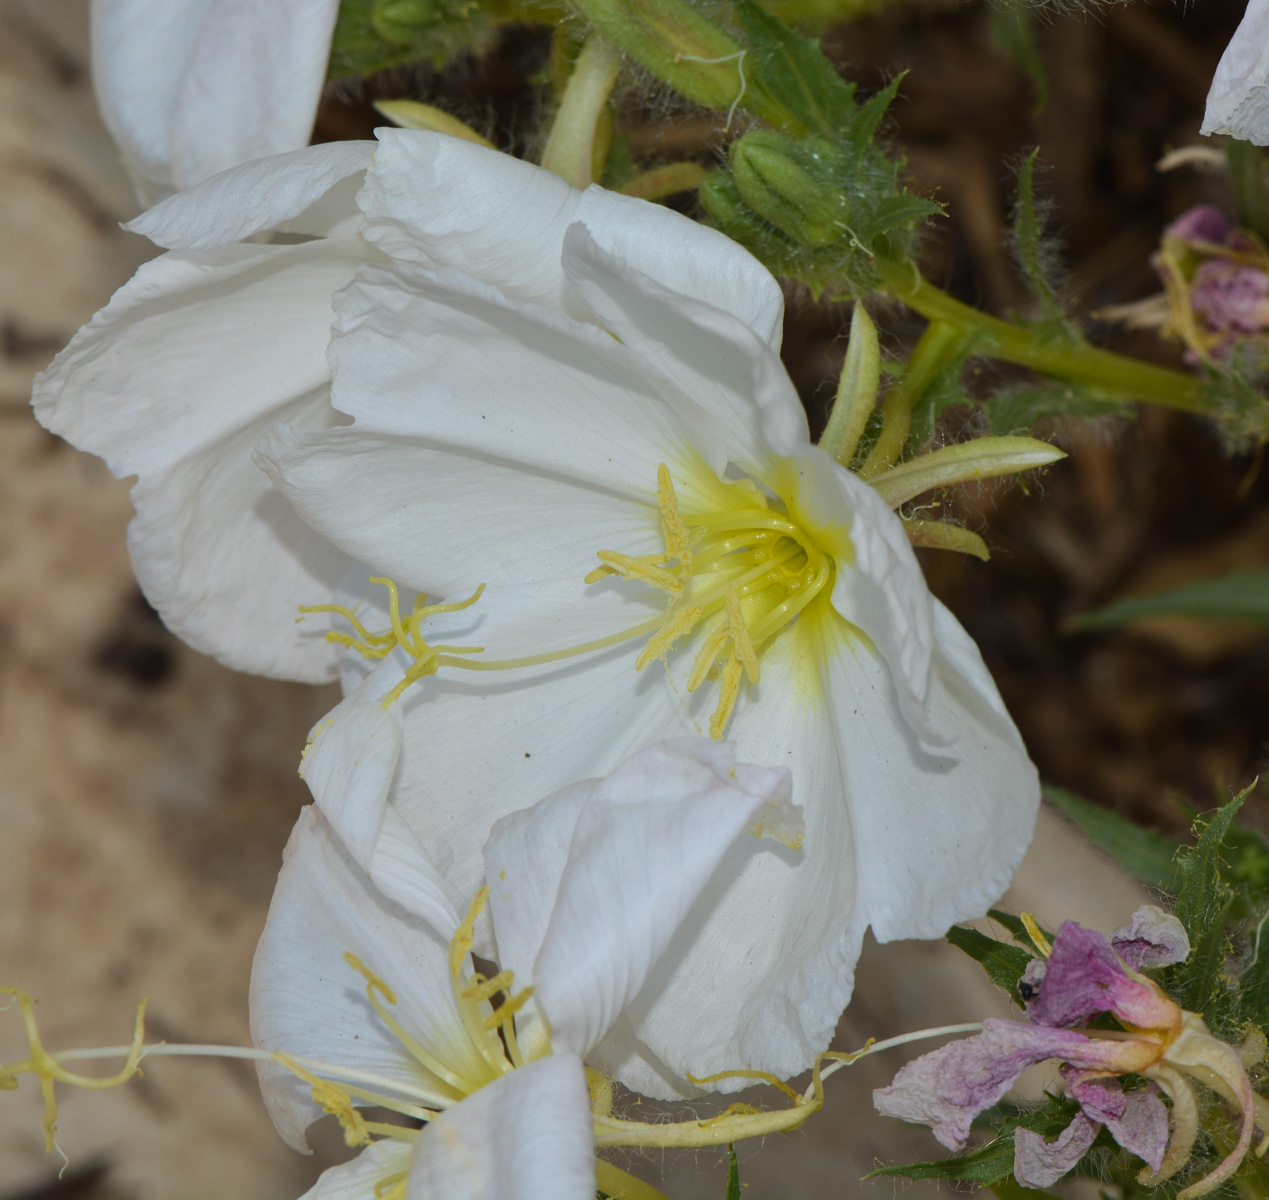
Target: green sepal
892, 212
733, 1174
1003, 962
863, 128
799, 187
1148, 855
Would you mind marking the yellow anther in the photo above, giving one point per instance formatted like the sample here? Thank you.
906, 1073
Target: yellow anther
677, 543
464, 936
707, 655
1033, 932
600, 572
642, 569
679, 623
373, 982
46, 1068
508, 1009
334, 1100
729, 692
486, 989
742, 647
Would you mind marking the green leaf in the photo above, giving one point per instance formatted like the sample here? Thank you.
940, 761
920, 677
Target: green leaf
372, 35
795, 72
864, 127
1202, 905
990, 1164
1148, 855
1017, 410
1012, 30
1239, 596
1035, 257
893, 211
1245, 170
1003, 963
1016, 927
733, 1175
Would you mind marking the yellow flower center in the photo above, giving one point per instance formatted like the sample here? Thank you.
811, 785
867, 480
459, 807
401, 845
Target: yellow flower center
738, 567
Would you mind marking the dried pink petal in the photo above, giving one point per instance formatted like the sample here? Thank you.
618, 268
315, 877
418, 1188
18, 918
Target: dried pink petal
1037, 1163
1152, 938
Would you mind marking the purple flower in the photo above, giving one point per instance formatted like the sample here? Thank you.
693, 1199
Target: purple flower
1082, 977
1230, 297
1203, 223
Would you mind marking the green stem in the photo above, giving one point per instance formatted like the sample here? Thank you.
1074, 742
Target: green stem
1077, 362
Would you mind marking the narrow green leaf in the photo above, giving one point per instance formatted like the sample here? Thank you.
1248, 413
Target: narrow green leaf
1012, 30
1035, 258
1239, 596
1003, 963
1016, 927
1017, 410
733, 1175
1148, 855
990, 1164
856, 389
795, 71
864, 127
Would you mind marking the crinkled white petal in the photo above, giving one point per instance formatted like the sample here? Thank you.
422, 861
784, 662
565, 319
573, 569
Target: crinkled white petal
686, 257
306, 1001
526, 1136
446, 522
296, 189
1238, 102
140, 53
357, 1180
711, 354
441, 356
174, 381
251, 85
586, 926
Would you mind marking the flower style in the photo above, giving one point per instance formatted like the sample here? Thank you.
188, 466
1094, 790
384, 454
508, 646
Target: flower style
1085, 975
583, 411
587, 889
189, 88
1238, 101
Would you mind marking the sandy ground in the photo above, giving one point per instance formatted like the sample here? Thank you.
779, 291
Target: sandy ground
146, 793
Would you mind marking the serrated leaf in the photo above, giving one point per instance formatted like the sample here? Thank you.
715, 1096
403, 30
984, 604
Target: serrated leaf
1148, 855
1238, 596
864, 126
896, 210
990, 1164
1003, 963
733, 1175
795, 71
1202, 905
1016, 928
1035, 259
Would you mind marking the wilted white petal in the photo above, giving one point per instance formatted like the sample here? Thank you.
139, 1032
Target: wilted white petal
639, 847
526, 1136
1238, 102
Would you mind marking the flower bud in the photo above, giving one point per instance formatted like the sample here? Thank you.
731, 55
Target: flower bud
797, 186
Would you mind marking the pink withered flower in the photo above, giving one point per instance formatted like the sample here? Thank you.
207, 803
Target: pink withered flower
1085, 975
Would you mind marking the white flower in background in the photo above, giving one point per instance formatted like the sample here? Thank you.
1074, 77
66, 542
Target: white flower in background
1238, 102
576, 400
188, 88
586, 891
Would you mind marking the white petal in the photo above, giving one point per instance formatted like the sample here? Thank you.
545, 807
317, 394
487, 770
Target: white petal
306, 1001
174, 381
526, 1136
439, 201
879, 585
440, 356
638, 848
712, 355
357, 1180
140, 53
686, 257
252, 84
1238, 102
896, 838
445, 522
239, 203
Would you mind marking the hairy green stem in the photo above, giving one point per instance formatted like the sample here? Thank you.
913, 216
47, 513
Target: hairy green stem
1077, 362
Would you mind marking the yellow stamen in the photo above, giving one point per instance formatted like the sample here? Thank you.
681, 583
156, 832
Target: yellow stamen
334, 1100
677, 543
741, 646
1038, 939
679, 623
729, 693
641, 569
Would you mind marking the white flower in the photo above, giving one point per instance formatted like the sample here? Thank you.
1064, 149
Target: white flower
586, 890
545, 384
1238, 101
188, 88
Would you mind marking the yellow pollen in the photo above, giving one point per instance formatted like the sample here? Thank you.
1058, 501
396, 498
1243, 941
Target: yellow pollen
742, 647
464, 936
333, 1100
680, 623
728, 694
677, 543
640, 568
